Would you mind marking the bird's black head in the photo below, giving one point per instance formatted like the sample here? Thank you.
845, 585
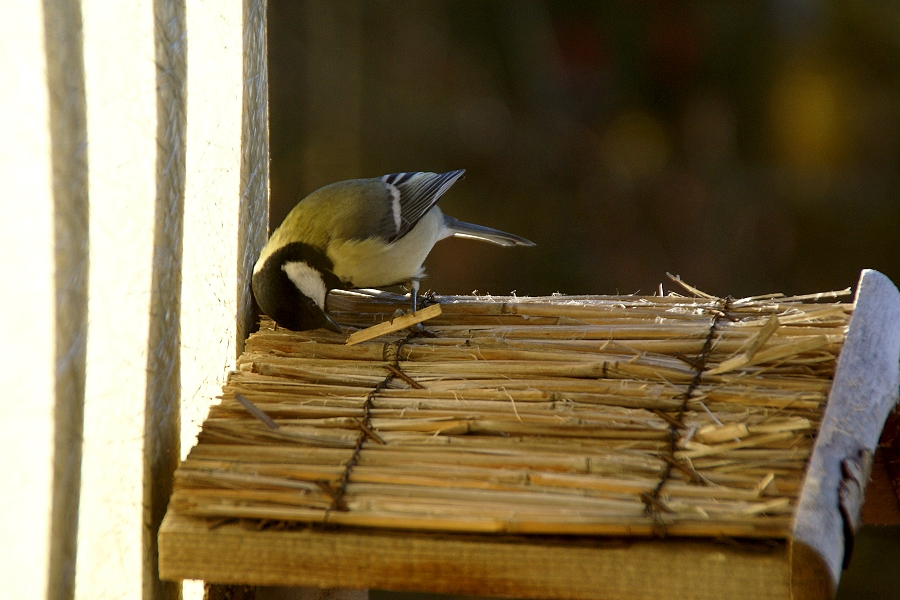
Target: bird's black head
291, 284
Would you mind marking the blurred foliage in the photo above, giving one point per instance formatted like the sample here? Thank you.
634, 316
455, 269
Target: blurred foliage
750, 147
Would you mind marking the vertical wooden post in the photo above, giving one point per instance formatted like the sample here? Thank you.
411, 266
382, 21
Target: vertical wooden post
68, 148
162, 414
253, 226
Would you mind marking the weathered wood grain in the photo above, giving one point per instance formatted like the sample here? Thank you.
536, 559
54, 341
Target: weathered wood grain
864, 391
162, 415
68, 131
253, 223
581, 568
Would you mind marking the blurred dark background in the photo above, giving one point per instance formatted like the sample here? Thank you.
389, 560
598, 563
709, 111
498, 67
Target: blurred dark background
750, 147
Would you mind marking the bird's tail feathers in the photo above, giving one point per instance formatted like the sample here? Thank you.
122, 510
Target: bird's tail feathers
485, 234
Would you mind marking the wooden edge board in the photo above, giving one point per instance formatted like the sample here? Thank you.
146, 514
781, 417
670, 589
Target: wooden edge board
393, 325
863, 393
484, 565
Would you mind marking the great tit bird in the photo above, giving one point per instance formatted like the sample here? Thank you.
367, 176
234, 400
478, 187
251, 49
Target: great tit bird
358, 233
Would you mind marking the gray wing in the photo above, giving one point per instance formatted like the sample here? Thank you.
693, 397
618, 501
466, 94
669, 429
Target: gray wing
411, 195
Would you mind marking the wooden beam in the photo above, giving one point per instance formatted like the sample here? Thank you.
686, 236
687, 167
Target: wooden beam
864, 391
253, 218
484, 565
68, 130
162, 404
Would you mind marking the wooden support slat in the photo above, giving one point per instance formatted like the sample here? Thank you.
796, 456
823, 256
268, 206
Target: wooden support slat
611, 568
864, 391
68, 130
162, 404
253, 218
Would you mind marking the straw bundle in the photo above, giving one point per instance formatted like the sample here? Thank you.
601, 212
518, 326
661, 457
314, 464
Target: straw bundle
614, 415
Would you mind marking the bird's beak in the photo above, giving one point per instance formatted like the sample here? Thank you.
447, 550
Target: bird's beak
330, 324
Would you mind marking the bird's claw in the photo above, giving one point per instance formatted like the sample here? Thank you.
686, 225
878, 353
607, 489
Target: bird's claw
415, 327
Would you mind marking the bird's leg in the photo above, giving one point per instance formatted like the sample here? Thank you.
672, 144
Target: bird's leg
414, 292
417, 327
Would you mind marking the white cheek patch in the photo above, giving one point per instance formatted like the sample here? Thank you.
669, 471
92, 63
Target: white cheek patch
308, 280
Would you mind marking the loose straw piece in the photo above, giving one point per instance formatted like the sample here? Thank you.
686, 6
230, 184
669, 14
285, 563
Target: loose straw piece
394, 325
256, 412
713, 434
690, 288
744, 358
